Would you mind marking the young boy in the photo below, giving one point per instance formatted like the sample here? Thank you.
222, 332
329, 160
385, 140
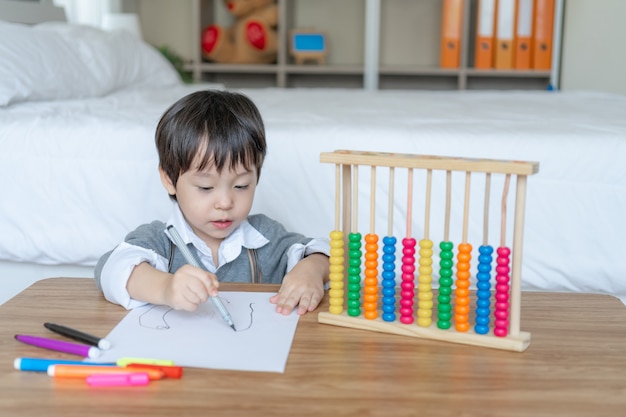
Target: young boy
211, 147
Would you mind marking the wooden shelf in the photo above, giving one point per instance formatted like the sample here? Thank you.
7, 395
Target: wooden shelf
408, 39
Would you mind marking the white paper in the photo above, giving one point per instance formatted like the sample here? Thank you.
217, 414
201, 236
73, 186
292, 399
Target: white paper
202, 338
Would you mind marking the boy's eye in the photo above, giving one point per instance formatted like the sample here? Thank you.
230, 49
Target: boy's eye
242, 187
205, 188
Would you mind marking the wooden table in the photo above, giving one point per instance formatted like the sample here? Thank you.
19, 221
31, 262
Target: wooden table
575, 366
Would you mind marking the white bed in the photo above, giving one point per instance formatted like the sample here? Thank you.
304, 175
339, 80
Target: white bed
79, 169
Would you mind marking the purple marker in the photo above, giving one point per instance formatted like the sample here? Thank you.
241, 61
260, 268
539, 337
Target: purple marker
60, 346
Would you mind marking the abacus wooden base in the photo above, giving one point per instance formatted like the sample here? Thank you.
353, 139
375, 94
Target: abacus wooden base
517, 343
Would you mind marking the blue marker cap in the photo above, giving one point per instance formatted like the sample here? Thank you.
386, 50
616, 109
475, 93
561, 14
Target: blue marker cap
41, 365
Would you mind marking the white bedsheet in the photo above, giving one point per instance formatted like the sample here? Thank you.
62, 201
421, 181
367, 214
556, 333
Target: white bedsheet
78, 175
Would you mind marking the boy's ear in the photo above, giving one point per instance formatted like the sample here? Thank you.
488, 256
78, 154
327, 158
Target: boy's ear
167, 182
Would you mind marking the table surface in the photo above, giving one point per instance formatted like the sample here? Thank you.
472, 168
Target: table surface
575, 366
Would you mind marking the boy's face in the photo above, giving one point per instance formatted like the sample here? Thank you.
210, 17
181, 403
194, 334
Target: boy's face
213, 203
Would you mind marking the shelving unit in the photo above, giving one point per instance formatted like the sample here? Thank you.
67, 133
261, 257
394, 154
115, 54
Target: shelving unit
373, 44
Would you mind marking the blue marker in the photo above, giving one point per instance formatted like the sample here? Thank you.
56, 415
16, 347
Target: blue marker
41, 365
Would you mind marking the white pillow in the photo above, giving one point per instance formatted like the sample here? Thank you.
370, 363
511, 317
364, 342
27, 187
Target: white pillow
55, 61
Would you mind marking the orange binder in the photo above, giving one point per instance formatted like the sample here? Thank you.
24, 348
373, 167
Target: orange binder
523, 35
542, 37
505, 29
451, 26
485, 25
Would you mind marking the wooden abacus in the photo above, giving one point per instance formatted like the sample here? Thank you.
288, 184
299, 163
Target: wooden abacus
453, 307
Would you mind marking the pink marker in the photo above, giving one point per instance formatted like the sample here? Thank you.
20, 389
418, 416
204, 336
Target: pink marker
118, 380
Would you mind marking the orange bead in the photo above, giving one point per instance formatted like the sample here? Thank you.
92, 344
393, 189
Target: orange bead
370, 298
371, 248
462, 301
462, 292
371, 256
462, 327
370, 273
460, 318
465, 247
462, 309
464, 257
369, 306
371, 264
370, 315
371, 238
463, 283
370, 289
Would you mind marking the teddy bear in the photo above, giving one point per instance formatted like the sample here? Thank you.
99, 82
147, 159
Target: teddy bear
251, 39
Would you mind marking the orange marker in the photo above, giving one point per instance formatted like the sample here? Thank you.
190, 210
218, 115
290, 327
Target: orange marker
168, 371
80, 371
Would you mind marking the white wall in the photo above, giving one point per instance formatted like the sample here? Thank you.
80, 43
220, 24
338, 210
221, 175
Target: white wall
594, 46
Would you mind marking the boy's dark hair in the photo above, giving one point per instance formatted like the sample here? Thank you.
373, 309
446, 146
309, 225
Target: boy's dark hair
226, 126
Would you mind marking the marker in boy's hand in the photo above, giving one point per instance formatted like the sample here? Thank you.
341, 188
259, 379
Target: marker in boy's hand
211, 147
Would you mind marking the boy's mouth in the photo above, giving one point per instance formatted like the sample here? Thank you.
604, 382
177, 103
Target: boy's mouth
222, 224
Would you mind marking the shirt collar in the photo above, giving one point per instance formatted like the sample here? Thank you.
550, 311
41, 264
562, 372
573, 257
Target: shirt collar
245, 235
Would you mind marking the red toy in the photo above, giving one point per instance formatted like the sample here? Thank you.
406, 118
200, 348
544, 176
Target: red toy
251, 39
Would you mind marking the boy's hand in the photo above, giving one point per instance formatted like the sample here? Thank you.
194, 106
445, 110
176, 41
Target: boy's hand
185, 290
189, 287
303, 286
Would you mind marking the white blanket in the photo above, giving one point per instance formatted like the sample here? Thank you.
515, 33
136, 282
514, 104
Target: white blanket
79, 174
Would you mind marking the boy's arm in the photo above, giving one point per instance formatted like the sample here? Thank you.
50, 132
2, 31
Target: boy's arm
184, 290
303, 286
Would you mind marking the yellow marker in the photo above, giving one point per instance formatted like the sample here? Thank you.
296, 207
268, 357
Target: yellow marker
147, 361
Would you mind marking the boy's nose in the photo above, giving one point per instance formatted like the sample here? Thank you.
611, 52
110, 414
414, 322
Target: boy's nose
224, 201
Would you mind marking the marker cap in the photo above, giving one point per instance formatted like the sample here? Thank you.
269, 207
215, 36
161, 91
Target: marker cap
104, 344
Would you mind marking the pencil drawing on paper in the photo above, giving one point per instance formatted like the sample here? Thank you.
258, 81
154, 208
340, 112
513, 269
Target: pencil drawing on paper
155, 317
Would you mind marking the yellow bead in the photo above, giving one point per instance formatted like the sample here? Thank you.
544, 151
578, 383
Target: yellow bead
426, 243
426, 261
336, 285
335, 276
426, 306
336, 235
336, 260
335, 309
336, 301
425, 270
336, 243
335, 293
336, 268
424, 322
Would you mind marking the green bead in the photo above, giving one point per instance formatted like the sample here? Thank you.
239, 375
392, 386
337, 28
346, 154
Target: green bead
447, 246
354, 312
354, 237
443, 324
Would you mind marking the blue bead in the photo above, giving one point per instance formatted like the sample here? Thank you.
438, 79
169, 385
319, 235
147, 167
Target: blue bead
389, 316
487, 249
481, 329
484, 302
389, 250
389, 308
389, 267
389, 292
482, 312
483, 285
389, 240
484, 267
482, 276
483, 295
